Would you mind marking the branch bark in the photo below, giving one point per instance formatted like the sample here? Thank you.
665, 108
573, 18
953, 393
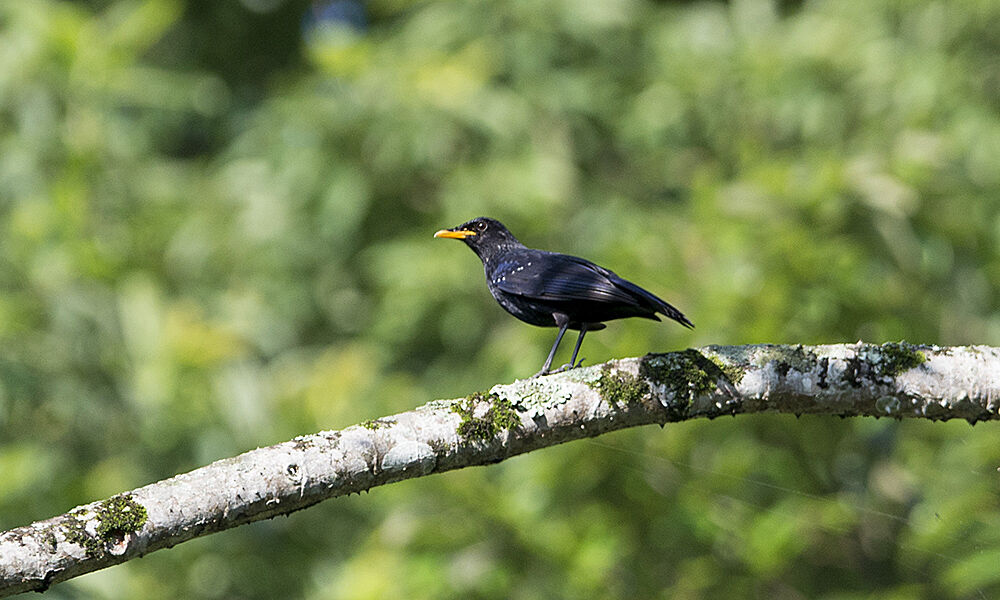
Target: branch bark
891, 380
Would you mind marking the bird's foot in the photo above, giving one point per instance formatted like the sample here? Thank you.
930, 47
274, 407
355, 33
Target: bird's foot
565, 367
568, 366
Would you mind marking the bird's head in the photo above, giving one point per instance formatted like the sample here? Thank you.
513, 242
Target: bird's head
483, 234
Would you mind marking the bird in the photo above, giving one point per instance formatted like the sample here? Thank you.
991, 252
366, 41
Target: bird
549, 289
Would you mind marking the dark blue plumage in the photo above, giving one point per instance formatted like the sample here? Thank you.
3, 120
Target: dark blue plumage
549, 289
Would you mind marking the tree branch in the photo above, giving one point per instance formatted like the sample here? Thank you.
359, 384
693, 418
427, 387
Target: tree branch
891, 380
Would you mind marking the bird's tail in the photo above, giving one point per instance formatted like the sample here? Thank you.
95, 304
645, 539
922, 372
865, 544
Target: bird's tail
655, 303
674, 314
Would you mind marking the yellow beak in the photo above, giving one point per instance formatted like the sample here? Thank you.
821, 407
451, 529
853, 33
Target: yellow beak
461, 234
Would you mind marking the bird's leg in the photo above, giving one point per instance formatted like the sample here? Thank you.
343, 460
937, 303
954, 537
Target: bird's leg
552, 352
572, 364
576, 349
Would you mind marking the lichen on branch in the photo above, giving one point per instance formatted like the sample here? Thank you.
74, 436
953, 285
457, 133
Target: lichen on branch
896, 379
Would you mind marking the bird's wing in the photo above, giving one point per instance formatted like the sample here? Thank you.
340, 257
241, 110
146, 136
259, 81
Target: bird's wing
560, 277
563, 278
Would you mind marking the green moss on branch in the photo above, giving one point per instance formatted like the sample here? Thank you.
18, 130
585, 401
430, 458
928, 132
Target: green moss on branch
498, 417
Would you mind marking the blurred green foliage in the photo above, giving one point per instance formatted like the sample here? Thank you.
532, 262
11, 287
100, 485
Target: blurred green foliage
216, 234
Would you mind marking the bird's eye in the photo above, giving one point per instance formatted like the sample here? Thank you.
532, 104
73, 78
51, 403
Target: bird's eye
481, 226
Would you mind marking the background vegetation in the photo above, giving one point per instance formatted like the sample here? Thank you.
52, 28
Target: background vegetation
215, 234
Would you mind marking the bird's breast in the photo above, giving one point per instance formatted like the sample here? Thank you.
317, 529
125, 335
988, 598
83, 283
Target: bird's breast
502, 276
528, 310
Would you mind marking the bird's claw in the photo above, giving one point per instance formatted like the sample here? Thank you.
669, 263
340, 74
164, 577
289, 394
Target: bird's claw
565, 367
568, 366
